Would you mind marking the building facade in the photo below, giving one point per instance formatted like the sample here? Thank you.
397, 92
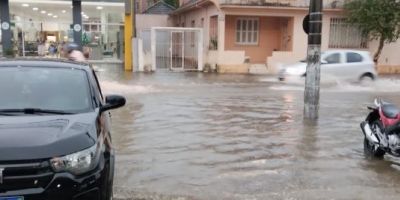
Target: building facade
241, 35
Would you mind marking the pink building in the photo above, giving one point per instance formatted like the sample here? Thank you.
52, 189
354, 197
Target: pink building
242, 35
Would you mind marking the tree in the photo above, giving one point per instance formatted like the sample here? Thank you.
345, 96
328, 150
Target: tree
379, 19
173, 3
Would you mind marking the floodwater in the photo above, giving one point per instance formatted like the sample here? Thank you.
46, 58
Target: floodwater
207, 136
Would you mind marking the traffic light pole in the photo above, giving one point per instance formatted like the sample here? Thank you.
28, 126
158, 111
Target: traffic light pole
311, 92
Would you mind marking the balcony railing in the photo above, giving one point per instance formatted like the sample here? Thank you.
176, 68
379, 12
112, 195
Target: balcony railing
330, 4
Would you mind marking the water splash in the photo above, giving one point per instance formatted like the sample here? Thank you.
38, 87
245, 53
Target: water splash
112, 87
287, 88
380, 85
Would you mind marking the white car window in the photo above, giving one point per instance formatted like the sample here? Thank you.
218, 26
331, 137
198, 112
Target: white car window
353, 57
333, 58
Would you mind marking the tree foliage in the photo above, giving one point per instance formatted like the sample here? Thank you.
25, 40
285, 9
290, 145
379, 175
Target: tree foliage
173, 3
379, 19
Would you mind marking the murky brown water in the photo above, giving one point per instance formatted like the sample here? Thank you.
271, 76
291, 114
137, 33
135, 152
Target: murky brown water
201, 136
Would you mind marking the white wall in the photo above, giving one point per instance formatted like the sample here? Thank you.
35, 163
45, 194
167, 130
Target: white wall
202, 12
300, 38
145, 22
196, 15
389, 55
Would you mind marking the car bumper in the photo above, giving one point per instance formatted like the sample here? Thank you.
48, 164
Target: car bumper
65, 186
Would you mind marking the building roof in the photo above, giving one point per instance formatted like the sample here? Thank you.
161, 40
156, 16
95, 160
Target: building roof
191, 5
160, 8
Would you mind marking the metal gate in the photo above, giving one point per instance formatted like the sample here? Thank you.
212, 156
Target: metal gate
177, 49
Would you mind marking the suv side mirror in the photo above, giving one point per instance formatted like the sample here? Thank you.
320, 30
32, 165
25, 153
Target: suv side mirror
113, 102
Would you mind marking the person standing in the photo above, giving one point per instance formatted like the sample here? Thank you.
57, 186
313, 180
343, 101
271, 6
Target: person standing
74, 54
52, 49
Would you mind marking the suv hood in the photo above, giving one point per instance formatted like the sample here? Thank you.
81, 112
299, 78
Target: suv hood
42, 137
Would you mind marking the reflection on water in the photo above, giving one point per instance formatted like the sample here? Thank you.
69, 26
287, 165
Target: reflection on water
206, 136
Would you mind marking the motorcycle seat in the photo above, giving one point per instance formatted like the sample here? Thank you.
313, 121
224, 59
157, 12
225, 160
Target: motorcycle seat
390, 110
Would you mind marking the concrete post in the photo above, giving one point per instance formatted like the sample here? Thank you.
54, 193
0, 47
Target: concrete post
153, 50
200, 50
221, 35
104, 28
129, 33
77, 21
6, 37
311, 92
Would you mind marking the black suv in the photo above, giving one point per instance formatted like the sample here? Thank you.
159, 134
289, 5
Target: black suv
55, 140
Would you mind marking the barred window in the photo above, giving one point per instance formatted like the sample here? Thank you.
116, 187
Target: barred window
344, 35
247, 31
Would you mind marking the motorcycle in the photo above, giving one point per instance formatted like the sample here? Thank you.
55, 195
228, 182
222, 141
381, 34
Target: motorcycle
381, 129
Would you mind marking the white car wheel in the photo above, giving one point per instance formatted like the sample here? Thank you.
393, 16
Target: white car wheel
366, 79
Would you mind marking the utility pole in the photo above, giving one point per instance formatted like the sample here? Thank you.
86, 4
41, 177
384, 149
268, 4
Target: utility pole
311, 92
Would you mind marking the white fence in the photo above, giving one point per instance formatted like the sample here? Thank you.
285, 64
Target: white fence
177, 48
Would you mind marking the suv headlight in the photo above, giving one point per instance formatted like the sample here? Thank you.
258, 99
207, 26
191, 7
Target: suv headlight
76, 163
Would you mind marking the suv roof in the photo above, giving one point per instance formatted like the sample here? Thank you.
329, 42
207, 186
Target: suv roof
43, 62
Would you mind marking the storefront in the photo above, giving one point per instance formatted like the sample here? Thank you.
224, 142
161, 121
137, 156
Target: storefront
42, 27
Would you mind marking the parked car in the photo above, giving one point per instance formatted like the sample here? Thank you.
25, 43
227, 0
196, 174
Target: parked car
349, 65
55, 135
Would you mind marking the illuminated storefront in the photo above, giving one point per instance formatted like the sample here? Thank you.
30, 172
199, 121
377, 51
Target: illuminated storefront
41, 26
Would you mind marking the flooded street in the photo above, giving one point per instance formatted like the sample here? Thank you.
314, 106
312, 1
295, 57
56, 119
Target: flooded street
208, 136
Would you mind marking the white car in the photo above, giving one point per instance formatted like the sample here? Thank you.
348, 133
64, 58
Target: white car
351, 65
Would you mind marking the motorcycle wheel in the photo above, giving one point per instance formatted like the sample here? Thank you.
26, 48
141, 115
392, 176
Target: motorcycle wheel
370, 151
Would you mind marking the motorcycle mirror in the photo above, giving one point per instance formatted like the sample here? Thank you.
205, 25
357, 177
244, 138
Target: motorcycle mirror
377, 102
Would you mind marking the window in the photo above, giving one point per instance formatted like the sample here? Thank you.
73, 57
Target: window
193, 23
333, 58
345, 35
353, 57
247, 31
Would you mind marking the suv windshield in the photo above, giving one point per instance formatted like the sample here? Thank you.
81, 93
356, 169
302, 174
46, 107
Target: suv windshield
56, 89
